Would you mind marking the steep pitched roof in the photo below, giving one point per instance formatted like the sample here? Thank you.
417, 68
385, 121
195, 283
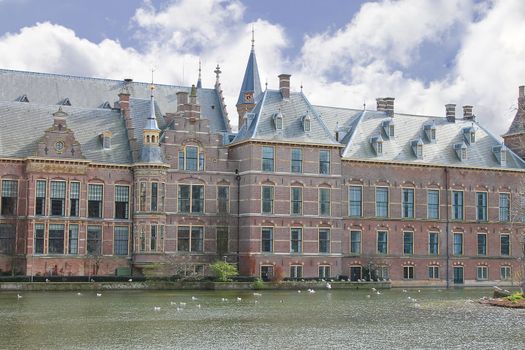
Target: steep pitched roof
29, 121
411, 127
293, 111
52, 89
251, 81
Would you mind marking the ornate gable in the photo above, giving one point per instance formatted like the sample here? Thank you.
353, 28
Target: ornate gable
59, 141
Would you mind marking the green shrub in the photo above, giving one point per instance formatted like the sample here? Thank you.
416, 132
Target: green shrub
258, 284
223, 271
515, 297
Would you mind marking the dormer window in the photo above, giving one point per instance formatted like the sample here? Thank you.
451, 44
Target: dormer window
191, 158
65, 102
248, 117
461, 151
105, 138
278, 121
470, 135
417, 148
500, 152
389, 128
307, 123
430, 132
377, 144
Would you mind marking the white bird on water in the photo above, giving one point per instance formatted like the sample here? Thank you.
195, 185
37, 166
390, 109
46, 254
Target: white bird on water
374, 290
368, 296
130, 280
405, 291
173, 303
156, 308
99, 294
298, 291
311, 291
239, 299
79, 294
194, 298
257, 294
182, 304
18, 296
198, 306
328, 286
224, 299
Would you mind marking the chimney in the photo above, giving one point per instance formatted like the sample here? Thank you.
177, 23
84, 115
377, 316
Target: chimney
451, 112
284, 85
182, 99
380, 104
467, 113
389, 106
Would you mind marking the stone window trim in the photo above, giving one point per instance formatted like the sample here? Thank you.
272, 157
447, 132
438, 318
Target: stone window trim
296, 205
432, 245
505, 251
408, 244
223, 204
324, 241
382, 245
41, 192
191, 199
481, 207
481, 244
74, 198
482, 273
504, 211
433, 206
387, 202
408, 272
191, 240
355, 205
268, 158
10, 195
356, 244
95, 196
296, 239
197, 161
327, 205
408, 208
458, 245
270, 201
119, 239
457, 209
269, 239
433, 272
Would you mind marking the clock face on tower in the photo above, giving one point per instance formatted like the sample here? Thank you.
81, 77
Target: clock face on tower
248, 97
59, 146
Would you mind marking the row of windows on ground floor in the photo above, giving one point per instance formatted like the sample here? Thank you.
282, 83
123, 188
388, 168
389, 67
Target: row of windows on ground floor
357, 273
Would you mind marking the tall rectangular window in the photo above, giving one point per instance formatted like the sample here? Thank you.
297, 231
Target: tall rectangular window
267, 199
73, 239
191, 157
121, 202
296, 271
74, 198
58, 198
154, 196
9, 197
458, 244
267, 239
382, 202
433, 272
504, 245
324, 271
482, 244
504, 207
482, 273
324, 201
56, 239
433, 204
191, 198
408, 243
297, 200
223, 199
39, 238
481, 206
190, 239
142, 196
355, 201
505, 273
40, 203
267, 158
95, 197
457, 205
355, 242
222, 241
94, 240
324, 162
408, 272
201, 161
296, 240
433, 243
153, 238
382, 242
297, 160
324, 240
121, 239
408, 203
7, 239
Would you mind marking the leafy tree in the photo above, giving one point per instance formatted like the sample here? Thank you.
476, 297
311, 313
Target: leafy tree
223, 271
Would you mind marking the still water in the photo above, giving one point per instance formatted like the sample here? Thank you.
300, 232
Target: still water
336, 319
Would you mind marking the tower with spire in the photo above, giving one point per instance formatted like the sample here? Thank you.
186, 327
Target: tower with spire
199, 82
514, 138
251, 85
151, 135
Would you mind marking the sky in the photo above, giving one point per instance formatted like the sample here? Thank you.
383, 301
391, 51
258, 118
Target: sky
425, 53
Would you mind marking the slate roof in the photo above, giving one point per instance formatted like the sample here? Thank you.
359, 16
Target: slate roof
251, 80
293, 110
52, 89
411, 127
28, 121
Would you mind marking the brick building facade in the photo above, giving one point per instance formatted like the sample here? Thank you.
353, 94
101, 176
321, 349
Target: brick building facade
102, 176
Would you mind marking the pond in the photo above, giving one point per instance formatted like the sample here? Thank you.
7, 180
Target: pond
336, 319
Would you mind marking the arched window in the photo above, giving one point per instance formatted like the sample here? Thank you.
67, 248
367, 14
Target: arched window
191, 158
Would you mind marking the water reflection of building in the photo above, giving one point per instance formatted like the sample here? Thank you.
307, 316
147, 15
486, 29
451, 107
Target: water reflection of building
99, 176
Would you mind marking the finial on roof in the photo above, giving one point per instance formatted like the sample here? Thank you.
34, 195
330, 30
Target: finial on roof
152, 87
199, 83
253, 37
217, 72
364, 105
193, 92
301, 86
266, 85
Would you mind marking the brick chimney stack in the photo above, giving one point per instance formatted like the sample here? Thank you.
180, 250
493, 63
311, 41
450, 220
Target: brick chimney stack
467, 113
380, 104
451, 112
284, 85
389, 106
521, 99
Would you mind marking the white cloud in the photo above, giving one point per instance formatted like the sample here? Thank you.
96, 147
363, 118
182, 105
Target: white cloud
367, 58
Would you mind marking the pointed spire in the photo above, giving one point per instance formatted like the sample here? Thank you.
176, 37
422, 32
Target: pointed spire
151, 122
199, 83
251, 83
217, 72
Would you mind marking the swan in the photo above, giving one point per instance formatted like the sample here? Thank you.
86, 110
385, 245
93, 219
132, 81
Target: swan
194, 298
99, 294
239, 299
156, 308
19, 296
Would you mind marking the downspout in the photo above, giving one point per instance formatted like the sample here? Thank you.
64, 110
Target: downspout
447, 227
238, 179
